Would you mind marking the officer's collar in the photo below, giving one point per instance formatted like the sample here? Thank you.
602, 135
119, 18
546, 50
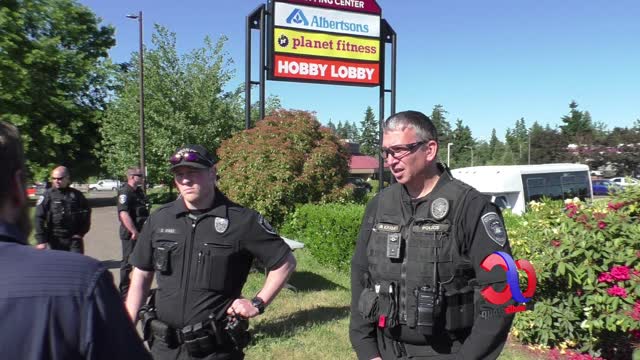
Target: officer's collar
218, 208
11, 233
445, 177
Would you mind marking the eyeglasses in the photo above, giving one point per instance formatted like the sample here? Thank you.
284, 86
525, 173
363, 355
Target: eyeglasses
58, 178
188, 157
400, 151
140, 175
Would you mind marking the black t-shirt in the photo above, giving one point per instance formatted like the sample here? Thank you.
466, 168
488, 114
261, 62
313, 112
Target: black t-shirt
202, 261
134, 202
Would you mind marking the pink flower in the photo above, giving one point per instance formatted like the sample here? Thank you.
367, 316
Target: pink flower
599, 215
616, 290
571, 210
620, 272
635, 314
555, 243
602, 225
635, 334
605, 277
579, 292
615, 206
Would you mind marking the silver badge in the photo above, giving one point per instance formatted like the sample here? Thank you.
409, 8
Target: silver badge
265, 225
40, 200
221, 224
439, 208
122, 199
494, 228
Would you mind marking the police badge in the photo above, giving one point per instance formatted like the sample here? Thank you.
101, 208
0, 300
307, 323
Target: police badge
221, 224
439, 208
265, 225
122, 199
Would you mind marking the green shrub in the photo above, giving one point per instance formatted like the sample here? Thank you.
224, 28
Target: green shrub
287, 159
329, 231
587, 260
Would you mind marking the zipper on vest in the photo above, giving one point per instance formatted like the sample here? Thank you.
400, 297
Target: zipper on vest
403, 272
188, 248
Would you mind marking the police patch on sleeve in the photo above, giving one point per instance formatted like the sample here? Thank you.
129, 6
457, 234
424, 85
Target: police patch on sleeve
265, 225
494, 227
122, 199
40, 200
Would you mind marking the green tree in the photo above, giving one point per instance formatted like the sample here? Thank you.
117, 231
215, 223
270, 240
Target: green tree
369, 139
439, 119
331, 126
577, 127
495, 147
463, 143
272, 103
184, 103
548, 145
287, 159
54, 80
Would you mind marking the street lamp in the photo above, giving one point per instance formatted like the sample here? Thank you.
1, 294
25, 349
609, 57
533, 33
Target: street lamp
470, 147
141, 66
449, 153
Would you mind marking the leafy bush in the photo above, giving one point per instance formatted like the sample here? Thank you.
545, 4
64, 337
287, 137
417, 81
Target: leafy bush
288, 158
329, 231
587, 259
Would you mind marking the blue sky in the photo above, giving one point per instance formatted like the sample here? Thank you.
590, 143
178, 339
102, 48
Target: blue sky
487, 62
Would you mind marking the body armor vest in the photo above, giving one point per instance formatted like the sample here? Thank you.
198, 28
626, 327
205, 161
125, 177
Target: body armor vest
416, 252
66, 215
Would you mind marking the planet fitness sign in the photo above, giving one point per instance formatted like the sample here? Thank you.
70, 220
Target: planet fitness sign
326, 41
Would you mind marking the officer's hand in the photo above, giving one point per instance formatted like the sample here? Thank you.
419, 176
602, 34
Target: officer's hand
41, 246
243, 308
134, 235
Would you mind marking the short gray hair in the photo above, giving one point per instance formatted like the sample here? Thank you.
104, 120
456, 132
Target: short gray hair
423, 126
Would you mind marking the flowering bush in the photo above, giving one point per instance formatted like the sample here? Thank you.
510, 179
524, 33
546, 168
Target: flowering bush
587, 259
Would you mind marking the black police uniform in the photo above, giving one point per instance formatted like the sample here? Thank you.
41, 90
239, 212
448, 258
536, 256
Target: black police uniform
60, 214
416, 275
60, 306
202, 260
136, 204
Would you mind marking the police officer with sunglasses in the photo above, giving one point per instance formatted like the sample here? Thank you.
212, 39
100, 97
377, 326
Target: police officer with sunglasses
416, 274
201, 247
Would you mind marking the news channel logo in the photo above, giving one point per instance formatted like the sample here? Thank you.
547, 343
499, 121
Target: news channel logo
512, 289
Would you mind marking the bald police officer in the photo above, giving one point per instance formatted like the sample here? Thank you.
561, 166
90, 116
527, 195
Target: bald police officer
63, 215
133, 211
415, 272
201, 247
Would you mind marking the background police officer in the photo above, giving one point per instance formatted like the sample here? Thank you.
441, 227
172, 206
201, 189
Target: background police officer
53, 304
63, 215
415, 272
133, 211
201, 247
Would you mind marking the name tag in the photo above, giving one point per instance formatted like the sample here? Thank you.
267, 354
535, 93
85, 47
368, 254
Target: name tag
387, 227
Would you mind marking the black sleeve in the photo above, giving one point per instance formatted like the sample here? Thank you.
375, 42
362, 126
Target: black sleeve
483, 225
142, 255
124, 199
263, 242
108, 330
42, 208
361, 332
86, 219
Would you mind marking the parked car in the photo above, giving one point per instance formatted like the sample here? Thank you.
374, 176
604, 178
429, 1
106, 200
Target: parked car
622, 181
604, 187
105, 184
36, 190
359, 183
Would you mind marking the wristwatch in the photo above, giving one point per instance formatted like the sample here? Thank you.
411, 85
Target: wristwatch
258, 304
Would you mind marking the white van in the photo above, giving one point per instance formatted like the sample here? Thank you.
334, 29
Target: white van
513, 186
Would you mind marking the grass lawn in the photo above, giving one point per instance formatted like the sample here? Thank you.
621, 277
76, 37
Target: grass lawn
313, 322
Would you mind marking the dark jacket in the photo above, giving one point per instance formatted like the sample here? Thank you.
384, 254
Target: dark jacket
61, 214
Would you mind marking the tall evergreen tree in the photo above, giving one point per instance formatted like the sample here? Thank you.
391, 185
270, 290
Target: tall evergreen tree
369, 143
463, 144
577, 127
331, 126
439, 119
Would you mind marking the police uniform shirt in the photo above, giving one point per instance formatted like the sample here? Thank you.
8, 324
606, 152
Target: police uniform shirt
478, 239
60, 306
201, 265
134, 202
61, 213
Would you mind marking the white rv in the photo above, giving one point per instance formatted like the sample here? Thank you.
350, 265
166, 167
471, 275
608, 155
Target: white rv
513, 186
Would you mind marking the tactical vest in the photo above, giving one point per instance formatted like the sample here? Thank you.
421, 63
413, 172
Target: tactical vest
419, 253
140, 209
66, 216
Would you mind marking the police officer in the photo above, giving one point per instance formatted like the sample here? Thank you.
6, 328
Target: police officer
53, 305
63, 215
133, 211
415, 272
201, 247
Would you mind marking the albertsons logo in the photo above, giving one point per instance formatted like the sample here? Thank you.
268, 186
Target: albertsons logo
297, 17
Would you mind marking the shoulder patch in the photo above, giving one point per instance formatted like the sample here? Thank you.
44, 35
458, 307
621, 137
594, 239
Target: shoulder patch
40, 200
265, 225
122, 199
494, 228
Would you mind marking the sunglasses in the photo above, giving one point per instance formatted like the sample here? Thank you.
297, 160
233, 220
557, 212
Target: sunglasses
400, 151
58, 178
189, 157
140, 175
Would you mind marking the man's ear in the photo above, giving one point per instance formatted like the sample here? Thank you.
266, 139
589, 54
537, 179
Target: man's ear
432, 147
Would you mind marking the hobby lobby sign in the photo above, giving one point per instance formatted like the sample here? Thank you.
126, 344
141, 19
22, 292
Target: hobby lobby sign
326, 70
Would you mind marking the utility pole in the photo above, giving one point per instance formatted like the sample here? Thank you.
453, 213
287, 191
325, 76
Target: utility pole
143, 168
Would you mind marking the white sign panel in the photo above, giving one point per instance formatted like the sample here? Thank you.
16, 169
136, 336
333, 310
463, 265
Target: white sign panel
325, 20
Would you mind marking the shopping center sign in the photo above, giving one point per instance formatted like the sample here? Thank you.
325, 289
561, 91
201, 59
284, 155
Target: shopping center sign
326, 41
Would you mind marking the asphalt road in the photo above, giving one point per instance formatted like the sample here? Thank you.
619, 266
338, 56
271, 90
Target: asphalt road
102, 242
